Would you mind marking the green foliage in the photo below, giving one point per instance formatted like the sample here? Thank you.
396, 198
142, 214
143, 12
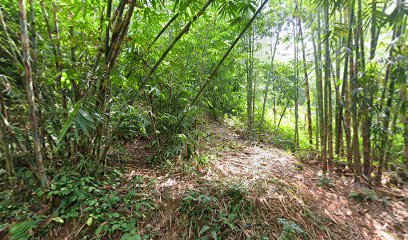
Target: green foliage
101, 205
216, 215
134, 123
282, 138
235, 192
202, 161
22, 230
290, 230
363, 195
325, 182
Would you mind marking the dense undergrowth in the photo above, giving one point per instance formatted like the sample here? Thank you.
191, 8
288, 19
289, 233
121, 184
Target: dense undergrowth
88, 206
107, 204
100, 204
105, 207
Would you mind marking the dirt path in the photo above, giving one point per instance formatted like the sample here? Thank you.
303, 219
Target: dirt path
243, 161
280, 186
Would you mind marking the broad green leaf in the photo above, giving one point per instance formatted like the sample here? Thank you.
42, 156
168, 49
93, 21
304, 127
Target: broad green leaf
115, 227
83, 125
68, 124
86, 115
214, 235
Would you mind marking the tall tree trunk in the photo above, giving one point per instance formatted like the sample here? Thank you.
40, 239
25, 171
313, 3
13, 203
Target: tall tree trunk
295, 61
327, 91
270, 77
307, 93
30, 93
346, 87
320, 96
339, 108
366, 121
215, 71
252, 76
6, 147
404, 117
355, 99
384, 142
34, 57
317, 102
249, 83
118, 36
185, 30
365, 113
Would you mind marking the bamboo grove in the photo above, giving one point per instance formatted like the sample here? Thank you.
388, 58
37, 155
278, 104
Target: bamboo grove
76, 76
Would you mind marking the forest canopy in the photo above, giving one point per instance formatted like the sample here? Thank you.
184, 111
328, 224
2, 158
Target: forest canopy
80, 78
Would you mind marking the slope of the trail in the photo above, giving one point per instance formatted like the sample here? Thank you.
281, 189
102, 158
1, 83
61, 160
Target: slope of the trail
278, 185
243, 161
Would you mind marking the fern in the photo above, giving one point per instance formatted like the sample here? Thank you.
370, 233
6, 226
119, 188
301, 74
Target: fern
22, 230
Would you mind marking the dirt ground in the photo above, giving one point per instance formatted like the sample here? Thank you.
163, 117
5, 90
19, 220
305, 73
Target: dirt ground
279, 185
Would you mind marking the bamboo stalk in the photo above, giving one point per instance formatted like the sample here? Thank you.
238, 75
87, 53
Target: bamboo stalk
30, 93
215, 71
176, 39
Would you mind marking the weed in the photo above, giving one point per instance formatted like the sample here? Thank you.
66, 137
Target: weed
216, 215
101, 207
236, 192
290, 230
298, 166
325, 182
202, 161
363, 195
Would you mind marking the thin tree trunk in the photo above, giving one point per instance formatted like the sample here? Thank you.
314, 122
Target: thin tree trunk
320, 95
307, 92
339, 109
327, 64
355, 112
365, 120
13, 48
253, 80
30, 93
214, 72
114, 50
178, 37
283, 114
164, 28
346, 88
318, 76
35, 69
6, 148
273, 51
384, 142
366, 123
295, 62
249, 83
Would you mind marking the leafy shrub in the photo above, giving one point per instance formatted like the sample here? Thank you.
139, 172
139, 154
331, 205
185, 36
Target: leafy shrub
102, 207
134, 123
100, 204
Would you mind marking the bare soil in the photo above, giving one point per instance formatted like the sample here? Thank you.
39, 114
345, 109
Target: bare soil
279, 185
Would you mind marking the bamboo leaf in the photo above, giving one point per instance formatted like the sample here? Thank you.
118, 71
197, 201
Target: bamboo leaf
67, 124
